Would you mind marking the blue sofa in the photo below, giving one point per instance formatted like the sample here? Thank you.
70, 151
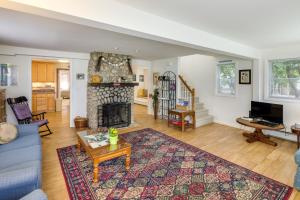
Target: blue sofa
297, 176
20, 164
35, 195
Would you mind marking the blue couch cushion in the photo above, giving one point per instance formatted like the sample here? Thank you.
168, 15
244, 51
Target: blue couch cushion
28, 129
19, 156
20, 180
297, 157
35, 195
20, 142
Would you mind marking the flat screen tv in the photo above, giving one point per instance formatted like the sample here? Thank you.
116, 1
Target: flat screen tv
267, 111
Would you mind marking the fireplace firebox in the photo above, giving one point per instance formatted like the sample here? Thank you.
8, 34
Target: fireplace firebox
115, 115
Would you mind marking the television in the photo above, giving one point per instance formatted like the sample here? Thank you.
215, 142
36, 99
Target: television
267, 111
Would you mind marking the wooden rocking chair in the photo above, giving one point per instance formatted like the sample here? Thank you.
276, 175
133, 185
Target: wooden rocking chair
23, 114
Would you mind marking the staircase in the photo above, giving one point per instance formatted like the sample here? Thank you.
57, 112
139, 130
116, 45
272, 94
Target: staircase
187, 93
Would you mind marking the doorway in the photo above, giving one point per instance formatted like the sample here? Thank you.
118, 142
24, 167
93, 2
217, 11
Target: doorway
63, 88
51, 89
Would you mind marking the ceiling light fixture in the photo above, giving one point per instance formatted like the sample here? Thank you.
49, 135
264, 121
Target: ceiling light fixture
116, 48
63, 61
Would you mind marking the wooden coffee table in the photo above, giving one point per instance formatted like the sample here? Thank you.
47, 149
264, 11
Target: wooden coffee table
258, 135
103, 153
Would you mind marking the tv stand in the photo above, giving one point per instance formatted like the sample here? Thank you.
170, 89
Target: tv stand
258, 135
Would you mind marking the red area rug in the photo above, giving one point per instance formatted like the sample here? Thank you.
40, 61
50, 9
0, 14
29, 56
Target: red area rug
165, 168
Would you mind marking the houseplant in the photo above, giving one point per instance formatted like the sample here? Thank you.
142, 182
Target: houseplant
155, 102
113, 135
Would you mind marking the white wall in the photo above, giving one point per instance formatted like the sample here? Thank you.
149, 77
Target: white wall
200, 73
24, 80
291, 108
22, 58
78, 93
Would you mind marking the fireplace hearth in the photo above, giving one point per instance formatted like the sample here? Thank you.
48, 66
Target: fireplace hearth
114, 115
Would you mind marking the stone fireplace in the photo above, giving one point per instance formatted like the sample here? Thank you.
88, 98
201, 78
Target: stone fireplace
116, 88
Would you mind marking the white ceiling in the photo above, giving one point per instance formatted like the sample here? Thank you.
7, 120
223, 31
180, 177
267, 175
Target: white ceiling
25, 30
257, 23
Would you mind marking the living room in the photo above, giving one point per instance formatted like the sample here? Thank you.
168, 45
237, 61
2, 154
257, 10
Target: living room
175, 88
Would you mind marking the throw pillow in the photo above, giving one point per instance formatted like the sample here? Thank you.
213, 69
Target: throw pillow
8, 132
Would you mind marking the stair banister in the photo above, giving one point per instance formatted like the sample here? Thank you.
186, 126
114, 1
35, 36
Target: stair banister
191, 91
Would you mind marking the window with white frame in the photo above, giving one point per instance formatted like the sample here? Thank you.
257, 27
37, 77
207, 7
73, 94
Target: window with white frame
226, 78
285, 78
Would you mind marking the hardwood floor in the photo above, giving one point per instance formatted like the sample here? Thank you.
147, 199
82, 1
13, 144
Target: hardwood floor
223, 141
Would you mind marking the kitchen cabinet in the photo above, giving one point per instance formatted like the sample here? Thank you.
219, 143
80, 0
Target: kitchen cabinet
34, 72
51, 102
43, 102
50, 76
43, 72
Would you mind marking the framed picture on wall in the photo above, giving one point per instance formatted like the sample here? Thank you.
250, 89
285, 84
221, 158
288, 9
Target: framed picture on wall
155, 78
8, 75
245, 76
141, 78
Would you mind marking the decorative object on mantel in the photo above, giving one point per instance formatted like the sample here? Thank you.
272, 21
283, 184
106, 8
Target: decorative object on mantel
96, 78
98, 66
245, 76
110, 66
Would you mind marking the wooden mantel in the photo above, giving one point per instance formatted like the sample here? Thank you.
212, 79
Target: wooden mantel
113, 84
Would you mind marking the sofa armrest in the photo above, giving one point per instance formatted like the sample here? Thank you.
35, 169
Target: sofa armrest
18, 183
27, 129
297, 157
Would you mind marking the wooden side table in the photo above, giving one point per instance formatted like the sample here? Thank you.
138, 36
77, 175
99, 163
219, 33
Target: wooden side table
296, 131
258, 135
182, 114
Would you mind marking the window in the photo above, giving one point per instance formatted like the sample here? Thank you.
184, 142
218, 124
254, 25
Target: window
226, 81
285, 78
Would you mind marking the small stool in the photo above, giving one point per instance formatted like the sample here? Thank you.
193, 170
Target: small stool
296, 131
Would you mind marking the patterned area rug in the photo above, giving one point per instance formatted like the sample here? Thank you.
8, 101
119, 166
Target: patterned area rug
165, 168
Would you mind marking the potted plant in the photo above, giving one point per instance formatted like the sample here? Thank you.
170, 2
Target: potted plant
155, 102
113, 135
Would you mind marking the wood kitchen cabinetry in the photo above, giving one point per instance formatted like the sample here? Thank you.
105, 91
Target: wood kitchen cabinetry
43, 102
43, 72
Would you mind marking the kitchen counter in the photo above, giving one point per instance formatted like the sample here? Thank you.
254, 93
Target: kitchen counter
43, 90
